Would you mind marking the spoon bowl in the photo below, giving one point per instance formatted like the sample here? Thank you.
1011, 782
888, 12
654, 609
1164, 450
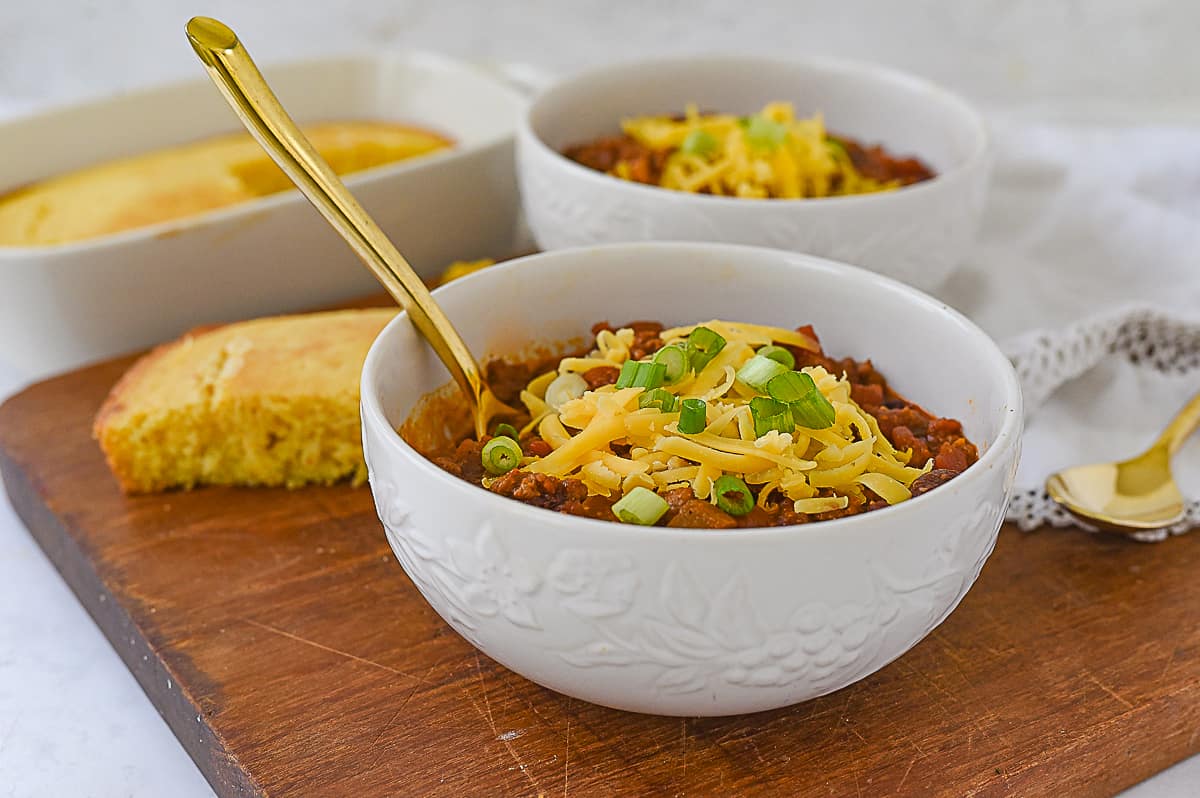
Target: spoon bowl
1133, 495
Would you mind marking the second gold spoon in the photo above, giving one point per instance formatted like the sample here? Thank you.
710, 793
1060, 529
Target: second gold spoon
1133, 495
243, 86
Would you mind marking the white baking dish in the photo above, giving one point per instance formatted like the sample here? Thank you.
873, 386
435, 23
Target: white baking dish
64, 305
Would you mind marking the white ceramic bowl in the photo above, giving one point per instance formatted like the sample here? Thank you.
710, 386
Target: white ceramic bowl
917, 234
678, 621
63, 305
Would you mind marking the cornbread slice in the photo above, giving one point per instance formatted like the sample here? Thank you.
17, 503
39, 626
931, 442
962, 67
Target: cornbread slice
181, 181
272, 401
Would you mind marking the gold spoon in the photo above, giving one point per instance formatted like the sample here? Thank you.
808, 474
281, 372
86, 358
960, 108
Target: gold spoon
1133, 495
247, 92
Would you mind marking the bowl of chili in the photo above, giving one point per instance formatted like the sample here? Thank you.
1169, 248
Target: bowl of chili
694, 616
592, 160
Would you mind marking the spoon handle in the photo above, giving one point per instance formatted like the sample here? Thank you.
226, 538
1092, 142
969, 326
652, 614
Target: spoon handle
1183, 425
231, 68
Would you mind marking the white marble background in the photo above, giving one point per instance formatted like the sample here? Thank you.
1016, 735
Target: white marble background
1046, 53
72, 720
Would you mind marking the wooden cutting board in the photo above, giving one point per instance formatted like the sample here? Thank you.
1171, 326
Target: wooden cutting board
292, 656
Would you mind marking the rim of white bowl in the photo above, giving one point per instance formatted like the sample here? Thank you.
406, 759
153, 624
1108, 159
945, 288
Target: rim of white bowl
1008, 436
879, 73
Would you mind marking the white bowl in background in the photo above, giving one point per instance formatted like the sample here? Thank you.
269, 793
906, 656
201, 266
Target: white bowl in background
67, 304
679, 621
917, 234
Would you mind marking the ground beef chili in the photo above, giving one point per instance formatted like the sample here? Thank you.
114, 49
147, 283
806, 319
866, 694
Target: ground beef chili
902, 422
877, 163
646, 165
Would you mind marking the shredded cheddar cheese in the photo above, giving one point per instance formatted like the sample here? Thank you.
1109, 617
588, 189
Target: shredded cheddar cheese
816, 470
771, 154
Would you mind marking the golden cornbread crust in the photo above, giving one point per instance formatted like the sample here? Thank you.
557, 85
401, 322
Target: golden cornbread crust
189, 179
269, 402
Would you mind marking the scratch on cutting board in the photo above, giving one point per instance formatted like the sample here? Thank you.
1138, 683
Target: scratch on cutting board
338, 652
998, 631
907, 770
843, 716
683, 746
567, 754
504, 738
524, 699
748, 736
396, 714
742, 736
948, 650
1162, 677
854, 731
1108, 689
925, 682
850, 691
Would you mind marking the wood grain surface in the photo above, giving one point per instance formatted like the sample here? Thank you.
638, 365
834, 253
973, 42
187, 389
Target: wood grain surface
291, 655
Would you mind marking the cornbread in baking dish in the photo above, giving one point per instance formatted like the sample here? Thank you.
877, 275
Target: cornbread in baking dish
271, 402
183, 181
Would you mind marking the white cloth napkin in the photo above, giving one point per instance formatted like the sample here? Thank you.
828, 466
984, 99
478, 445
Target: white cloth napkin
1088, 272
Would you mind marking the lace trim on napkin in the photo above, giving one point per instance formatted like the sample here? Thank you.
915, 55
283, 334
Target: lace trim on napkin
1045, 360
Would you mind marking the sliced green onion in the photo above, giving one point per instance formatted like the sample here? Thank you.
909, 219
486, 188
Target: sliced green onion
758, 371
564, 388
637, 374
641, 506
507, 431
764, 133
703, 345
675, 359
625, 378
778, 354
807, 405
791, 386
813, 412
661, 398
733, 496
501, 455
699, 142
766, 406
770, 414
649, 375
693, 417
